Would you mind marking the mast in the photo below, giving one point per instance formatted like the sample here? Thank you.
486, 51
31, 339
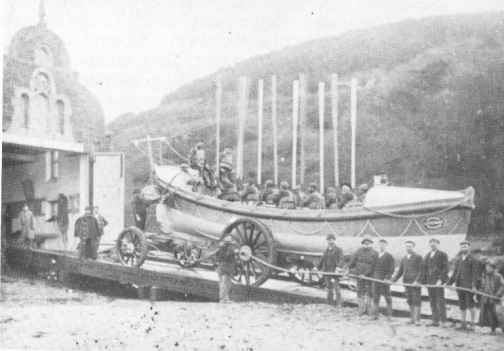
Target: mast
321, 110
260, 92
218, 107
353, 121
274, 127
295, 115
334, 115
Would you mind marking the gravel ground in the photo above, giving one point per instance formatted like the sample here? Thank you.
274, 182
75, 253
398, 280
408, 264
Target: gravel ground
37, 315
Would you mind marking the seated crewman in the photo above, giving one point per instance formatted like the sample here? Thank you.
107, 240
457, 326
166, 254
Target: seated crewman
285, 197
227, 184
250, 192
313, 200
269, 193
331, 198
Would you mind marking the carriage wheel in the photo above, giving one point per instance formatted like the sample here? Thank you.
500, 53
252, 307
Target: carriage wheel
131, 247
301, 272
251, 238
187, 256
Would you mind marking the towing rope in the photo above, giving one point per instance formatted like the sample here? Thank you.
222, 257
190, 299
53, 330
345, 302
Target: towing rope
387, 282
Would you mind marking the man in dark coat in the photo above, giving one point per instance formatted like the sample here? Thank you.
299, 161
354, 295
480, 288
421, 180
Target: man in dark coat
139, 210
464, 276
383, 270
226, 266
331, 262
88, 231
362, 264
410, 270
435, 271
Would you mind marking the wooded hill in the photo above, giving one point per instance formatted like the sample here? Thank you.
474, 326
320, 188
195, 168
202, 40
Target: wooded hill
430, 112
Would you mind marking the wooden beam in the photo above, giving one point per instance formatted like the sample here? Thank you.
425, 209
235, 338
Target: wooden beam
274, 127
260, 93
334, 115
321, 109
218, 109
302, 127
295, 117
353, 122
242, 117
23, 158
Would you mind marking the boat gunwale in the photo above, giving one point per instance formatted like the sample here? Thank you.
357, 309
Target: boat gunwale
333, 215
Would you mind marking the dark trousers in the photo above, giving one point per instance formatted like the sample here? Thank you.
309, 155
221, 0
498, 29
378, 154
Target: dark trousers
88, 248
380, 290
333, 288
140, 218
438, 304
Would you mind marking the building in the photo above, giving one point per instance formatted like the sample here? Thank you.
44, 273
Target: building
52, 131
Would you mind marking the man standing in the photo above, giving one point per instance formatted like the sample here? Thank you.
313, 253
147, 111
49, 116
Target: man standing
435, 272
362, 264
226, 265
383, 270
139, 210
330, 262
464, 276
88, 231
27, 223
410, 270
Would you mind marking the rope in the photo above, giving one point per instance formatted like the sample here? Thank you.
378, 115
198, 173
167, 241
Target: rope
337, 274
395, 215
178, 154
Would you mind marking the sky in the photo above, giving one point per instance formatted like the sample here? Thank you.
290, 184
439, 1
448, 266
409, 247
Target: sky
130, 53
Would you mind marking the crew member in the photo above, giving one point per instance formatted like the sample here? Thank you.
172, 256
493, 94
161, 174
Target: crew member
435, 272
269, 193
27, 223
197, 157
313, 200
410, 270
250, 192
383, 270
346, 195
492, 283
331, 262
285, 197
464, 276
139, 209
362, 264
226, 265
331, 198
227, 183
88, 231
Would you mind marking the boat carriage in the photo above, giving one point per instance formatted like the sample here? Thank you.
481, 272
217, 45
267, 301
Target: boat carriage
190, 223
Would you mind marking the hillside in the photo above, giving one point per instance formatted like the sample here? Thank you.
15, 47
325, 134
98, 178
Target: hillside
431, 106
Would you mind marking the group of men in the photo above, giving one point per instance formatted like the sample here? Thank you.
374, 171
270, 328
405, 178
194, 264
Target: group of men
282, 196
376, 271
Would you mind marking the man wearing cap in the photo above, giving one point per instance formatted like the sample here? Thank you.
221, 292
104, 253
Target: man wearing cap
197, 157
465, 276
227, 184
331, 262
226, 265
313, 200
410, 270
269, 193
435, 272
285, 197
88, 231
383, 270
362, 264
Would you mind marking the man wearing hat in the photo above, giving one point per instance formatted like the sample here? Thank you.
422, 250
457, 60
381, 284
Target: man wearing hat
410, 270
383, 270
197, 157
313, 200
363, 263
87, 230
227, 183
465, 276
285, 197
435, 272
226, 265
331, 262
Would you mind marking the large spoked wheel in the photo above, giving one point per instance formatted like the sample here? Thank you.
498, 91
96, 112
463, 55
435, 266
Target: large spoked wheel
251, 238
131, 247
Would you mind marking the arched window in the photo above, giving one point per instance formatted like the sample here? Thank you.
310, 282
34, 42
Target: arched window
25, 110
60, 108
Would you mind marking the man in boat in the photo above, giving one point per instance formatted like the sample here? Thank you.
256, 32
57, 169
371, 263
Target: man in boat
346, 195
250, 193
285, 197
383, 270
197, 158
362, 264
464, 276
299, 195
226, 266
410, 270
331, 198
331, 262
227, 183
269, 194
313, 200
435, 272
139, 209
88, 231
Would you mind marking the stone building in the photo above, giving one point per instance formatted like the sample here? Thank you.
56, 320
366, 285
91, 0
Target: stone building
52, 129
